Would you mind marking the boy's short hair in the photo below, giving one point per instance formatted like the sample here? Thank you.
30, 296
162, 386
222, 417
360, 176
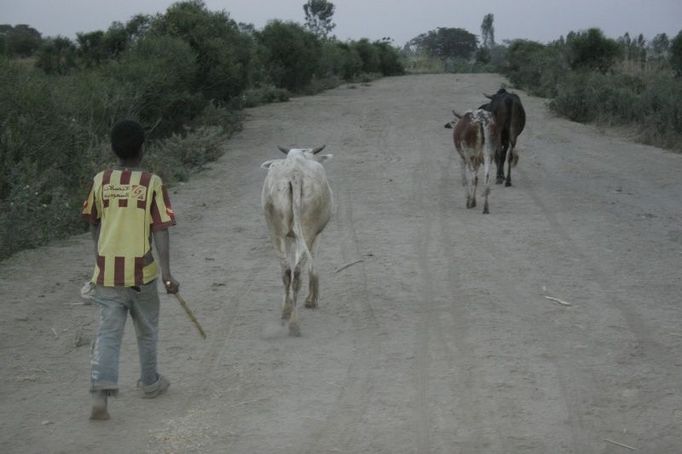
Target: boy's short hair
127, 137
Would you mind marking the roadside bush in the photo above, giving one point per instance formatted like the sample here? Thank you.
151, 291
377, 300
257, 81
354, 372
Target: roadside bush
649, 103
523, 66
291, 54
57, 56
389, 59
158, 71
173, 158
263, 95
340, 60
224, 54
591, 50
676, 54
50, 145
369, 55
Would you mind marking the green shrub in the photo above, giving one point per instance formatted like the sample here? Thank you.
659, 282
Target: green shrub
291, 55
159, 71
591, 50
224, 54
173, 157
263, 95
648, 104
523, 67
369, 55
339, 60
676, 54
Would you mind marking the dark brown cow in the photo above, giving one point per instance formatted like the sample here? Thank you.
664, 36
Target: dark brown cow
511, 119
474, 136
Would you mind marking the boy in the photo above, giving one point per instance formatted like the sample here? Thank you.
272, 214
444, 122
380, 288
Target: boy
125, 207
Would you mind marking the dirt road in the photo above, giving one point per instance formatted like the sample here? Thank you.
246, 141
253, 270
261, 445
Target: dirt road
440, 340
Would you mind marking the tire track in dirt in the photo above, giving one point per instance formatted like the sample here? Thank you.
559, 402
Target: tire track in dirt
497, 433
651, 349
470, 355
422, 242
344, 418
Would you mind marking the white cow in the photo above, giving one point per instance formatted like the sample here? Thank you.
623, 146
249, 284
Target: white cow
297, 203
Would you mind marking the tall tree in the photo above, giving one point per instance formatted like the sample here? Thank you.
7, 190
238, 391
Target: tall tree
57, 55
318, 17
590, 49
676, 54
21, 40
446, 43
660, 44
488, 31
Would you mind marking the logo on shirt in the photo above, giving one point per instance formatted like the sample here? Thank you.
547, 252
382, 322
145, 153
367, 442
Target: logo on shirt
139, 192
124, 191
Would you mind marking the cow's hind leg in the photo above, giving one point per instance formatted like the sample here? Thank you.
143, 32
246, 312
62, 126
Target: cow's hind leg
499, 162
294, 328
287, 305
486, 182
500, 157
510, 158
311, 301
471, 186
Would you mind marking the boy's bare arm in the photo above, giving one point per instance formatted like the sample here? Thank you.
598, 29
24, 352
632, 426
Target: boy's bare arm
162, 242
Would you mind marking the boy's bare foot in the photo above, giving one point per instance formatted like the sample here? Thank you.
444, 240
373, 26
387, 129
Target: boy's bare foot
99, 406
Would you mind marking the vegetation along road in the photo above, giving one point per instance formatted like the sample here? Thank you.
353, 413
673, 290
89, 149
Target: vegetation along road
439, 338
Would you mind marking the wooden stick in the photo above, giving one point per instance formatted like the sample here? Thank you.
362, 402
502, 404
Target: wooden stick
348, 265
620, 444
189, 313
557, 300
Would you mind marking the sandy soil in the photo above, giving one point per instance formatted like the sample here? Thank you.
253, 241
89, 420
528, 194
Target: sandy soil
440, 340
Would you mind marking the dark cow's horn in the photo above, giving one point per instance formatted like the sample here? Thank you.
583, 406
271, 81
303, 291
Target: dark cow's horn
282, 149
456, 114
487, 96
318, 149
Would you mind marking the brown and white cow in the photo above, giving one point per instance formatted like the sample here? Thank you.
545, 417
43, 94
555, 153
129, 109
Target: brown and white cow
297, 203
474, 136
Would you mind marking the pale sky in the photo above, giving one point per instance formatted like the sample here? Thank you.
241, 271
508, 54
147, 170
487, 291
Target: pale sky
539, 20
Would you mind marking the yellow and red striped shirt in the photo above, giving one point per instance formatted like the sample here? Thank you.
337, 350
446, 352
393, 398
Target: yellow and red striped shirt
128, 205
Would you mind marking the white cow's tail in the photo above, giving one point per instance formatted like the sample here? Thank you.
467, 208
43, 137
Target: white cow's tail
302, 250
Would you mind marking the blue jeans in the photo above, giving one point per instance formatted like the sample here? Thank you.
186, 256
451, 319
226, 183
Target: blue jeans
115, 303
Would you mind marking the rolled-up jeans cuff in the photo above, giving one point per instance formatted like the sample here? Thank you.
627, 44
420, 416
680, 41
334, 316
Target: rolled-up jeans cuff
110, 388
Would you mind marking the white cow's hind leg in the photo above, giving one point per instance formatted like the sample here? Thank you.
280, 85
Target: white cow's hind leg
313, 281
294, 328
286, 280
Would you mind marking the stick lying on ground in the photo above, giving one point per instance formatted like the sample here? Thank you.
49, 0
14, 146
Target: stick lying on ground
557, 300
348, 265
191, 316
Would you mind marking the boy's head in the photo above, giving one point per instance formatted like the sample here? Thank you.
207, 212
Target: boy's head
127, 137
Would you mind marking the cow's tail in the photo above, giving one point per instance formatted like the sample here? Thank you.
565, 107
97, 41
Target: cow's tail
302, 251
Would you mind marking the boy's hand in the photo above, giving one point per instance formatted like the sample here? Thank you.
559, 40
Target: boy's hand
172, 286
